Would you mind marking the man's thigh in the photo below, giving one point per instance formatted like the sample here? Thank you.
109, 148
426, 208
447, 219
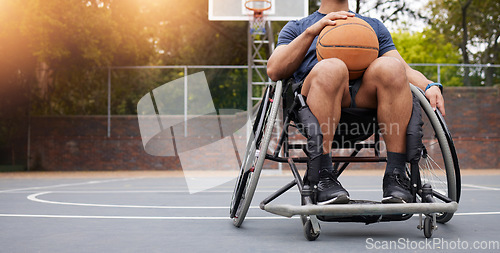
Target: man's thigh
367, 94
321, 75
380, 68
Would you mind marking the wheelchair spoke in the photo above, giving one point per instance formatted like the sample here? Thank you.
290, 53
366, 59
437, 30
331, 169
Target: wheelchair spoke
433, 174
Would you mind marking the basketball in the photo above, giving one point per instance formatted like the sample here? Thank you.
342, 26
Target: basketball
351, 40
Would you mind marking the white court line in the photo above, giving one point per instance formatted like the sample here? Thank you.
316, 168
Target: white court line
180, 218
182, 191
66, 185
476, 188
481, 187
477, 213
137, 217
34, 197
149, 191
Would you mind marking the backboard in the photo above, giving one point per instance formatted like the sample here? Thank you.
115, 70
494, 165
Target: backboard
234, 10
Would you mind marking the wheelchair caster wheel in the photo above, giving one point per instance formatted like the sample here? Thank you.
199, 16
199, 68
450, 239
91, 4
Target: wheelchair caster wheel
309, 231
428, 227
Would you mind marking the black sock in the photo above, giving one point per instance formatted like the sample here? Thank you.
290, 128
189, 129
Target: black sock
395, 161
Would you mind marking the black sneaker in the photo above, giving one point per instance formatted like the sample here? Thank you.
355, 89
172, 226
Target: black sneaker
330, 191
396, 188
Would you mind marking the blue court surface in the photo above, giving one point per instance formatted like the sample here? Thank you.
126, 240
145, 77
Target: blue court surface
154, 212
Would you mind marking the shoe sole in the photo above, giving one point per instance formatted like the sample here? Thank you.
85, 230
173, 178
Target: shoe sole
342, 199
393, 200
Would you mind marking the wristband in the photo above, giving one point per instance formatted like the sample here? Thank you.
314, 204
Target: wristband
434, 84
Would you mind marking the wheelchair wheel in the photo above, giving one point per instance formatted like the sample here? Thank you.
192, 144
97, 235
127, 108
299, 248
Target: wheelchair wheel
428, 227
255, 154
438, 165
309, 231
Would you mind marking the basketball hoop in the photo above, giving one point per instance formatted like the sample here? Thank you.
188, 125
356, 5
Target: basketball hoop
258, 7
257, 24
242, 10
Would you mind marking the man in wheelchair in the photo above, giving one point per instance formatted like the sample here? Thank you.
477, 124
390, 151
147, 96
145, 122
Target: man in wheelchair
384, 87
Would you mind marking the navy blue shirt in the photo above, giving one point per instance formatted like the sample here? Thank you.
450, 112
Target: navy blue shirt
294, 28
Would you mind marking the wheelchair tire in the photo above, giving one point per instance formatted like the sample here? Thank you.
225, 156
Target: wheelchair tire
256, 148
428, 228
438, 165
309, 231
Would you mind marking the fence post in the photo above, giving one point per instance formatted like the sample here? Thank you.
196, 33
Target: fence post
109, 102
185, 99
439, 73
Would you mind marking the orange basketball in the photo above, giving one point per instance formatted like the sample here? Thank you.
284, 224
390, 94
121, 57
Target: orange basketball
351, 40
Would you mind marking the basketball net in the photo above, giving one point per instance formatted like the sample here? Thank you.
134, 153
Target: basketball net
257, 21
257, 25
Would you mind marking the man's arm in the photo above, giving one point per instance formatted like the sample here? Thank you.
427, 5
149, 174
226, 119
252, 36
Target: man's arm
418, 79
286, 59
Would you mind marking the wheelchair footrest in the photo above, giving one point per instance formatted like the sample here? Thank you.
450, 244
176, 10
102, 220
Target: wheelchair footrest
365, 209
367, 219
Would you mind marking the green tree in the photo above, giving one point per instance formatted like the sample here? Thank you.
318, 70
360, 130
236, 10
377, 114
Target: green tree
474, 26
73, 41
429, 47
17, 66
185, 36
70, 44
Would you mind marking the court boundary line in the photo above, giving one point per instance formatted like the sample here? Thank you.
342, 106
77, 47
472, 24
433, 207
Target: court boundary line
472, 188
137, 217
69, 184
481, 187
33, 197
180, 217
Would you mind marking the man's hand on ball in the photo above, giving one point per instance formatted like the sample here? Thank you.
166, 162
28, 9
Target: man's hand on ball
329, 19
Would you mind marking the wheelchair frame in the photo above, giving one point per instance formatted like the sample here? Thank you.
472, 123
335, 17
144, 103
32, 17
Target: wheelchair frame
424, 195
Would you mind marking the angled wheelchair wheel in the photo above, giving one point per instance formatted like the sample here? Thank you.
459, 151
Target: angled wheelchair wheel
255, 154
438, 165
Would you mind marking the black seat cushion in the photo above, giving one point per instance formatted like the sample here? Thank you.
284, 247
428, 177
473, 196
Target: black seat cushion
356, 124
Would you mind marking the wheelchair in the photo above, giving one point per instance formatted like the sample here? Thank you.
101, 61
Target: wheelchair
432, 166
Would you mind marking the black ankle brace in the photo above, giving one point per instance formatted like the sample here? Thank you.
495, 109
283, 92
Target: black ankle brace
395, 161
326, 162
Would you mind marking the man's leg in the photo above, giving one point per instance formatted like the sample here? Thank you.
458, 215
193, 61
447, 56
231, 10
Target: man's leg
327, 89
385, 87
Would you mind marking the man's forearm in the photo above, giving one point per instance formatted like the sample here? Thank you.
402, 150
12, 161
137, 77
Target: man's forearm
418, 79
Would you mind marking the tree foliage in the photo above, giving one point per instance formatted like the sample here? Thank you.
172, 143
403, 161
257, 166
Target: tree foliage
395, 10
483, 26
473, 26
65, 46
429, 47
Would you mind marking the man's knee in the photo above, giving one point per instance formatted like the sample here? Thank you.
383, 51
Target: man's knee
389, 72
331, 74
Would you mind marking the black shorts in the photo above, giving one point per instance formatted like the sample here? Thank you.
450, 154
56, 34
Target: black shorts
353, 89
